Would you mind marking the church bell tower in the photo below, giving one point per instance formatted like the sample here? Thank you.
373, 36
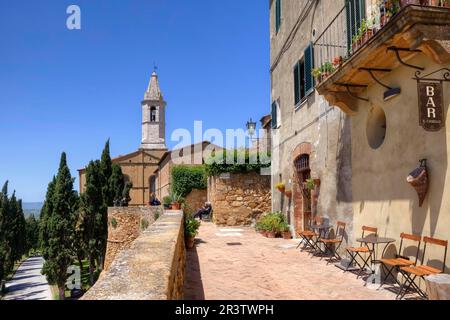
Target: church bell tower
153, 117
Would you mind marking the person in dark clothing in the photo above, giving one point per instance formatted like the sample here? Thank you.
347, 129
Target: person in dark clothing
203, 211
154, 201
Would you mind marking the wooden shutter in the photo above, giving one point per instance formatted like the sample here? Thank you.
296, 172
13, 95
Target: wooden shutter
277, 15
274, 115
309, 64
296, 83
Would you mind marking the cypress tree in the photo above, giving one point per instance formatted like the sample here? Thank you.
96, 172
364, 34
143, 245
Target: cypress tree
32, 234
106, 172
3, 226
92, 204
60, 225
116, 182
46, 212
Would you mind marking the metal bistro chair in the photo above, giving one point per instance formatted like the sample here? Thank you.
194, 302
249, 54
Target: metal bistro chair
309, 235
400, 260
411, 273
355, 252
333, 244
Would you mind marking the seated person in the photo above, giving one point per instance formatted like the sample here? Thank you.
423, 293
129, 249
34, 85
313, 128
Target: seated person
205, 210
154, 201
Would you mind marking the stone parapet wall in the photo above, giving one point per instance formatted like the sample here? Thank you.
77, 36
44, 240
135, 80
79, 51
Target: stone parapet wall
239, 199
125, 224
152, 268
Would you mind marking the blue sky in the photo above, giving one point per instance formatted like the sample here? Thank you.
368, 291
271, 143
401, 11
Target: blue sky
71, 90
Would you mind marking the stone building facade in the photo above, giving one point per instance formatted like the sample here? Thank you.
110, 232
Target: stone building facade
311, 138
399, 116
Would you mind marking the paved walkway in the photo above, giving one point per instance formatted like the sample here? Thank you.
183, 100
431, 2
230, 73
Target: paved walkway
238, 263
28, 283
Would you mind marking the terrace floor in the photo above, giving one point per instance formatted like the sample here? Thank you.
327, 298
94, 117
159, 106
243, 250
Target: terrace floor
240, 264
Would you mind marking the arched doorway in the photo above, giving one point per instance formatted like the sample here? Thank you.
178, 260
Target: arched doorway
152, 185
301, 195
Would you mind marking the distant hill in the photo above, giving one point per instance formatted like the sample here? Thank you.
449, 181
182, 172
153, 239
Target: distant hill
32, 208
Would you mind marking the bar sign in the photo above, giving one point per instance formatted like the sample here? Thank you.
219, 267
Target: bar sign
431, 115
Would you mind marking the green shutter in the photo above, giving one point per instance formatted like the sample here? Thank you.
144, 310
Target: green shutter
274, 115
296, 83
277, 15
356, 12
309, 63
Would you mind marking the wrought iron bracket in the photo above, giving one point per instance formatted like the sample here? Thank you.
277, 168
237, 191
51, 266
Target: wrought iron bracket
399, 58
445, 75
372, 70
352, 85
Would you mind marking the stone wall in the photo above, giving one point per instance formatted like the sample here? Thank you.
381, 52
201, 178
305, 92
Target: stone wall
239, 199
196, 199
152, 268
125, 224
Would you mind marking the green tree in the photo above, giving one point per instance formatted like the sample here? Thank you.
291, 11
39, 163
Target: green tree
116, 182
92, 204
32, 234
46, 212
3, 230
60, 225
106, 172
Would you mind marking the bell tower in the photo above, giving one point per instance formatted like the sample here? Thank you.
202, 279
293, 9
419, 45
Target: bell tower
153, 117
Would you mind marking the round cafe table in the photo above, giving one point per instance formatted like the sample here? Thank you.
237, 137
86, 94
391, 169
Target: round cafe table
375, 241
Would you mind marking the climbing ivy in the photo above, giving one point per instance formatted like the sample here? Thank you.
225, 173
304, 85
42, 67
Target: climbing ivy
187, 178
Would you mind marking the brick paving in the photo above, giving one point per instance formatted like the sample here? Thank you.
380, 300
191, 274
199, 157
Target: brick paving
240, 264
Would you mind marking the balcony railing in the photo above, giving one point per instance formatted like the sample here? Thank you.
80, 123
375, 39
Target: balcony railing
355, 24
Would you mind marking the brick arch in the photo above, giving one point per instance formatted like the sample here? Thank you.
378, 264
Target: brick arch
300, 217
303, 148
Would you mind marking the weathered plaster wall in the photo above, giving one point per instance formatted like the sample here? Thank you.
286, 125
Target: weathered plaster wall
240, 199
151, 269
124, 226
314, 122
381, 195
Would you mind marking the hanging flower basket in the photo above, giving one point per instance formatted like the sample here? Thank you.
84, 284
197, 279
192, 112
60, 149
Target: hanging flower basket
281, 187
288, 193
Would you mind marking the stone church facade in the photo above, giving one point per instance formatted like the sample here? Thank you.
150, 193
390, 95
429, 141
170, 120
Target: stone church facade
149, 167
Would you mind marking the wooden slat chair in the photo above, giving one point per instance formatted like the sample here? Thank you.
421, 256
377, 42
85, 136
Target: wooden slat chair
400, 259
333, 244
412, 272
356, 252
310, 237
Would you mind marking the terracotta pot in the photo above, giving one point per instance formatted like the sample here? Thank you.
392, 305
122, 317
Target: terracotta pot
404, 3
434, 3
271, 234
190, 241
175, 206
288, 193
447, 4
286, 235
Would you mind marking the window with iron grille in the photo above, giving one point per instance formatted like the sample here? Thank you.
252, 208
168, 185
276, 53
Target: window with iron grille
302, 163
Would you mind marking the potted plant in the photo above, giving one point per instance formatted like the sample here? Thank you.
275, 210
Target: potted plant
191, 227
167, 201
285, 230
317, 73
288, 193
281, 187
327, 69
177, 200
337, 61
356, 42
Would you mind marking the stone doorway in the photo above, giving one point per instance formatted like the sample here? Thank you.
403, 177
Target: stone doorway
301, 197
